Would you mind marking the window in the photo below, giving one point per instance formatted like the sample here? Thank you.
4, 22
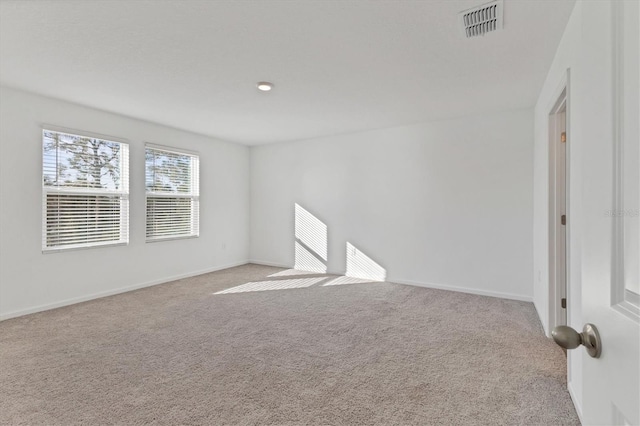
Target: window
85, 183
173, 192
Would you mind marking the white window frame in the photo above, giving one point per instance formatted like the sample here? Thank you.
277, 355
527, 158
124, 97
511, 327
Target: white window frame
194, 195
122, 193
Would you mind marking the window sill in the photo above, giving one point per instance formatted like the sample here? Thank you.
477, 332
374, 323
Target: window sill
171, 238
50, 250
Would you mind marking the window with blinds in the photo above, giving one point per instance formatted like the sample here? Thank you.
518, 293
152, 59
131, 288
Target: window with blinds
173, 193
85, 183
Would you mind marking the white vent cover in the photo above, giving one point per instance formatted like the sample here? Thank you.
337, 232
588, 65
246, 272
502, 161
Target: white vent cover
482, 19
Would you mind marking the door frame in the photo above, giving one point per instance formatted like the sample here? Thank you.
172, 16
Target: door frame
561, 100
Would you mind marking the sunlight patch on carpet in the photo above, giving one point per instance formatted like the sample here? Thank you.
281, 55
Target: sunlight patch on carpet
292, 273
273, 285
346, 280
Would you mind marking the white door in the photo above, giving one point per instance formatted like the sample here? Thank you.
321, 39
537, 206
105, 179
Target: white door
609, 229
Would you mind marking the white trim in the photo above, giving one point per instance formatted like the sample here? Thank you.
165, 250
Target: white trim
571, 301
75, 247
171, 238
72, 301
267, 263
561, 97
282, 265
575, 401
467, 290
447, 287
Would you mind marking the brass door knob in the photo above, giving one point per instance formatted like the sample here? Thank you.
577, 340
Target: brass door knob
568, 338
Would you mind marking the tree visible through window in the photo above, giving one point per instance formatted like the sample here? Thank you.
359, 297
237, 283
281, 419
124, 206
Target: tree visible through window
172, 186
85, 191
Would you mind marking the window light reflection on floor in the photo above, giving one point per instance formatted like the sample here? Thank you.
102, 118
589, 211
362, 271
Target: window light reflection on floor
273, 285
291, 273
346, 280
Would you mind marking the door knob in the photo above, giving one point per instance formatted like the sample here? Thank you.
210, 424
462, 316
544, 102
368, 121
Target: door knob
568, 338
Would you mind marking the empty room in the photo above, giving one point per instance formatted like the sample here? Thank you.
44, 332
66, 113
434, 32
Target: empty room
319, 212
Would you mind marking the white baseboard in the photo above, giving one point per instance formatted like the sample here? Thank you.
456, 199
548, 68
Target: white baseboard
575, 401
423, 284
267, 263
80, 299
464, 290
282, 265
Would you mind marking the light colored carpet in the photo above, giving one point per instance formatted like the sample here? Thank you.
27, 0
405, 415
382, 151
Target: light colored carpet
297, 353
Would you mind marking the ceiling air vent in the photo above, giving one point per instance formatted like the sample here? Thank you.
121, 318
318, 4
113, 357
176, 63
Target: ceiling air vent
482, 19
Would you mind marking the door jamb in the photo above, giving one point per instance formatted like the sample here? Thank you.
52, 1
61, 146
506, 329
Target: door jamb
561, 98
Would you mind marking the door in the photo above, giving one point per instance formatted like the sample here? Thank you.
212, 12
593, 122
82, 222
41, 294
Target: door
610, 193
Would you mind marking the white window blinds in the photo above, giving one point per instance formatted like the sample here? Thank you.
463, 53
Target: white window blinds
85, 193
173, 192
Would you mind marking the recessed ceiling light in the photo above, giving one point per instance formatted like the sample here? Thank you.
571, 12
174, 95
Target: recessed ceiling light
265, 86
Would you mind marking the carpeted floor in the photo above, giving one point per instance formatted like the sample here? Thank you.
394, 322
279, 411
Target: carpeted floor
286, 350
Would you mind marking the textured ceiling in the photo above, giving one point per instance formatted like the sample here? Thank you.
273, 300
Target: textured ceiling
337, 66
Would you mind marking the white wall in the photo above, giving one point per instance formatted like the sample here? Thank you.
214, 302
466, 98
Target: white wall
31, 281
446, 204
